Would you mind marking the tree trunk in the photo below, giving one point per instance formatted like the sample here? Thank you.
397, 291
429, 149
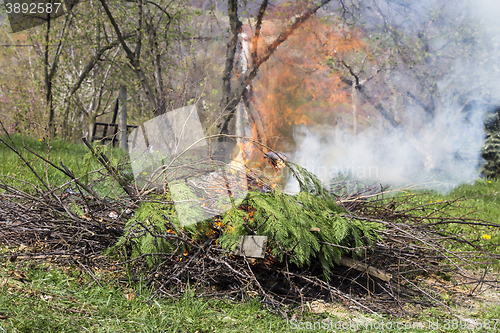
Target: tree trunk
229, 101
354, 102
92, 114
48, 83
122, 118
92, 120
133, 56
153, 44
50, 71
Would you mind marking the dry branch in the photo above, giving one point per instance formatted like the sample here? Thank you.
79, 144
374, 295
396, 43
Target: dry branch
413, 246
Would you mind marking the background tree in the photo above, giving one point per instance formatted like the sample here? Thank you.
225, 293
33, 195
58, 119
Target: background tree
20, 94
150, 18
345, 64
49, 49
91, 70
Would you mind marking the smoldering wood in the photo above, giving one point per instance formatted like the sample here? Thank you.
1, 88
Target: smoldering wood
358, 265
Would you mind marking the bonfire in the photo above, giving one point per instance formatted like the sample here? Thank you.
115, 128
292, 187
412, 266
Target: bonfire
373, 250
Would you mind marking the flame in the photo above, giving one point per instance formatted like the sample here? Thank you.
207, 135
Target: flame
298, 85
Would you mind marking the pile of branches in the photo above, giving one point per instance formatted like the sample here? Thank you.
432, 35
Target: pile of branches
37, 221
41, 227
411, 262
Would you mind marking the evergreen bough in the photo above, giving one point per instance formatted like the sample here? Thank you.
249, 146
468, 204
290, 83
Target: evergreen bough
307, 226
300, 228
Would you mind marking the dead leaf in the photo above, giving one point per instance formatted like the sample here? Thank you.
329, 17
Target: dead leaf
21, 276
130, 297
4, 317
315, 229
10, 283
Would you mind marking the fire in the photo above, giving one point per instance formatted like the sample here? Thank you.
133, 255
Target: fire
298, 84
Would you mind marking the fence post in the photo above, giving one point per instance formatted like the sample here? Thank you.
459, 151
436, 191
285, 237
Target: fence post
122, 118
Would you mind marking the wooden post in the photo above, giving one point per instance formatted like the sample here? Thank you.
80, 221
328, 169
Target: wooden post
92, 119
122, 118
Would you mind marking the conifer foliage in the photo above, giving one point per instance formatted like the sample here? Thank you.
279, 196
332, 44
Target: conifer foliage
302, 228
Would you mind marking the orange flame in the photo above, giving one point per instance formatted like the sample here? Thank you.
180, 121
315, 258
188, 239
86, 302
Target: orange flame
298, 85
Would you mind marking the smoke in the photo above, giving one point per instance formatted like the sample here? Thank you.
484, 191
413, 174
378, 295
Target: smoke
442, 155
437, 153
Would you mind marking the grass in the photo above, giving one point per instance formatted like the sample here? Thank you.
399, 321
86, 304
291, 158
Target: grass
67, 300
41, 298
481, 202
76, 157
482, 199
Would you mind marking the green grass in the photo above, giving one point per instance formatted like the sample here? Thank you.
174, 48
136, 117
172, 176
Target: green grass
68, 300
481, 202
482, 199
76, 157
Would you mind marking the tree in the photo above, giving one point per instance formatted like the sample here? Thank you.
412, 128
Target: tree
150, 18
20, 95
90, 68
231, 95
50, 65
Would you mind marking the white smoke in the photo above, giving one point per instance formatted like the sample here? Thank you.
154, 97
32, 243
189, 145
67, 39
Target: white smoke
441, 154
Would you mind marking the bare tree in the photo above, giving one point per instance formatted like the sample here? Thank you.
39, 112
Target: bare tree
148, 23
50, 66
